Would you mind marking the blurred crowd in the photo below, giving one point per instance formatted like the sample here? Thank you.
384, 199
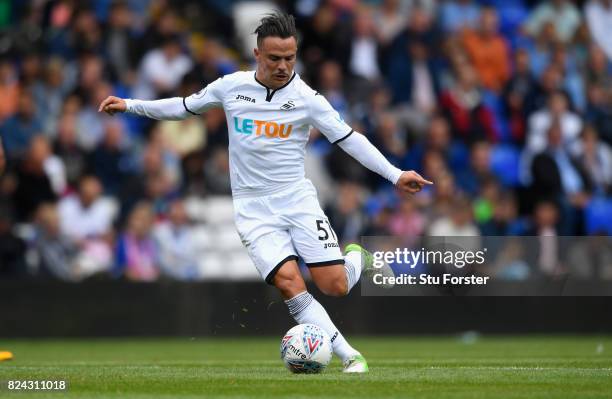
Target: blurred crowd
505, 104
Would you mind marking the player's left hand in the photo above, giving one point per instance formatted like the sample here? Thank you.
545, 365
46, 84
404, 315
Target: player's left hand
411, 182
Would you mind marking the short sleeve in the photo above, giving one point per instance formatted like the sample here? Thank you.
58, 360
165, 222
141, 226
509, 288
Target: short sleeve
209, 97
325, 118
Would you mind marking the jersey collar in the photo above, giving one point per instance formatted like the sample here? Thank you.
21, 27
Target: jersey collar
271, 92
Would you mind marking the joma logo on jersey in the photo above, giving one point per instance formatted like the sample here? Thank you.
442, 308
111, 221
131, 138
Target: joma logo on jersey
262, 128
245, 98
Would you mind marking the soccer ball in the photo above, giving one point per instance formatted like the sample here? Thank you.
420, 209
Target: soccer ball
306, 348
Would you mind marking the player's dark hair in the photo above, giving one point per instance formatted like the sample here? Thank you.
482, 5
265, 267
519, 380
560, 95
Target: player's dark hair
278, 24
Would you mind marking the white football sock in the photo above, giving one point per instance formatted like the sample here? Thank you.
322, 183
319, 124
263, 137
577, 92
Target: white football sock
305, 309
352, 265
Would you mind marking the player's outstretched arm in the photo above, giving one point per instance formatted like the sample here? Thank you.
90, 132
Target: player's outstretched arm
360, 148
328, 121
165, 109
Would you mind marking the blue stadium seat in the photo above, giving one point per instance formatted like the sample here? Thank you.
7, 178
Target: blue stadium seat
505, 164
598, 216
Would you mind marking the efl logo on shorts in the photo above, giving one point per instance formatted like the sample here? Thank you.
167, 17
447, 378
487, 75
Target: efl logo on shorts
262, 128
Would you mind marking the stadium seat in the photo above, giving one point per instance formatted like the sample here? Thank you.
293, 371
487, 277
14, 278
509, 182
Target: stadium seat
212, 266
240, 267
505, 164
204, 237
598, 216
218, 210
227, 238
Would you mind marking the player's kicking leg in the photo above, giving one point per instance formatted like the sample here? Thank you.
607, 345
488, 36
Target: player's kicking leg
306, 309
338, 280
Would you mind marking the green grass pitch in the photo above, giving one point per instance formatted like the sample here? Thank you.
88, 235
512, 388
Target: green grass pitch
415, 367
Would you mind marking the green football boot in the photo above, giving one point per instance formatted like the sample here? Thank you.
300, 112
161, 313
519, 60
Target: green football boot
356, 364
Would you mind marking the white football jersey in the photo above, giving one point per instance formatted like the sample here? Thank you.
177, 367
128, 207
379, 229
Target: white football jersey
268, 129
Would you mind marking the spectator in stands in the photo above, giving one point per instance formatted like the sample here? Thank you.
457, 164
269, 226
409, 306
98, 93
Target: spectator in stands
18, 130
49, 94
444, 195
462, 104
90, 74
391, 139
68, 150
168, 24
540, 123
30, 68
504, 221
161, 70
379, 222
458, 223
53, 165
86, 32
516, 94
545, 253
488, 50
156, 180
412, 55
183, 137
598, 14
9, 89
363, 58
598, 68
136, 256
216, 173
176, 247
331, 85
551, 81
599, 111
216, 129
110, 161
558, 177
57, 253
87, 215
34, 186
60, 256
540, 48
484, 201
434, 164
563, 14
120, 43
438, 138
407, 222
414, 79
457, 15
90, 123
320, 39
573, 81
389, 20
211, 62
595, 158
471, 179
345, 212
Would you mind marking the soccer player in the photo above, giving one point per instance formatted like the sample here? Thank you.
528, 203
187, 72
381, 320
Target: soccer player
277, 214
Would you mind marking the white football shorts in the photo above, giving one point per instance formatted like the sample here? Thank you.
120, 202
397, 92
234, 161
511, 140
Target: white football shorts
286, 225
